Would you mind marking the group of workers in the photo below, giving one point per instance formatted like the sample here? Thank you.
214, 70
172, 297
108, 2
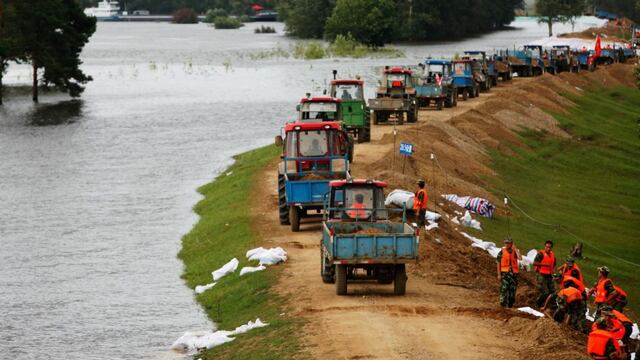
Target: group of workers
610, 334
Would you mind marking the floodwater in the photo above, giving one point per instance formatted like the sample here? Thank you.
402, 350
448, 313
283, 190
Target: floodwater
96, 193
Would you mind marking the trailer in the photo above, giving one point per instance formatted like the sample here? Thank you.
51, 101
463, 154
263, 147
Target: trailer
360, 242
435, 86
484, 69
395, 98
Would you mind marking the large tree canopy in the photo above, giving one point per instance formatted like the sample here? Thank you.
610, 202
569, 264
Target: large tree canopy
553, 11
372, 22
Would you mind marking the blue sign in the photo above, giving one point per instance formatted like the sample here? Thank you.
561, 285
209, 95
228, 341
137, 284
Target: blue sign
406, 149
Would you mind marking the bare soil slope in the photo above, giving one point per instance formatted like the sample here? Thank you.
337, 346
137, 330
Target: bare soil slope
451, 307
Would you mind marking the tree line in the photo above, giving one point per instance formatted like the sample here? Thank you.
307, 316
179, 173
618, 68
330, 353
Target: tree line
49, 35
375, 22
233, 7
626, 8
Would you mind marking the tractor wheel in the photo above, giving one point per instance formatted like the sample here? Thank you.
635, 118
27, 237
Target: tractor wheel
294, 218
465, 94
477, 92
341, 279
350, 148
448, 101
400, 118
374, 118
283, 208
366, 130
327, 270
455, 97
412, 115
400, 282
472, 92
440, 104
494, 81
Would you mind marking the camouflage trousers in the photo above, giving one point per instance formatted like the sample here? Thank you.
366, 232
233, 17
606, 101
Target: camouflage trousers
545, 288
508, 287
576, 312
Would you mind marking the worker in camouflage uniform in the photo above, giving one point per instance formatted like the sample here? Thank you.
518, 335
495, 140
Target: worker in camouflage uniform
508, 259
570, 303
545, 266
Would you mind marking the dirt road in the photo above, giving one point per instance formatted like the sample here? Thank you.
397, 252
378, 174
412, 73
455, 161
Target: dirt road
451, 308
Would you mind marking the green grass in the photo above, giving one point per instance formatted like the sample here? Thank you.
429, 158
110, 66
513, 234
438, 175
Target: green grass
589, 184
222, 233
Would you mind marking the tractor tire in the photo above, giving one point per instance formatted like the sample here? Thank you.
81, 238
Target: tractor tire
412, 115
400, 118
448, 101
455, 97
494, 81
341, 279
374, 118
465, 94
477, 92
472, 92
350, 148
400, 281
294, 218
327, 270
440, 104
283, 208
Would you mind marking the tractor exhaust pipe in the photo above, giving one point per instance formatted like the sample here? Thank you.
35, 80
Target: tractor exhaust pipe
335, 73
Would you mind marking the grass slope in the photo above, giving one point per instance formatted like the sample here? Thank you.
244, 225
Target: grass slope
222, 233
589, 184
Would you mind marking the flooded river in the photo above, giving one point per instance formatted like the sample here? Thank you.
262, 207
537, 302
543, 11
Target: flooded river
96, 193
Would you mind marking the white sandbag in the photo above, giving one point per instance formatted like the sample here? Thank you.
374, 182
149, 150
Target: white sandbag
202, 288
432, 216
468, 221
635, 334
531, 311
432, 225
251, 269
400, 198
527, 260
494, 251
192, 341
267, 256
455, 220
633, 356
225, 270
459, 200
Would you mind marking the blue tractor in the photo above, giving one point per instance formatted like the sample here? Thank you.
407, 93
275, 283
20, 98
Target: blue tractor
565, 59
463, 80
528, 61
484, 69
586, 59
503, 65
436, 85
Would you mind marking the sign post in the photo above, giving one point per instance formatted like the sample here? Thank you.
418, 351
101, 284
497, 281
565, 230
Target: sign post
406, 149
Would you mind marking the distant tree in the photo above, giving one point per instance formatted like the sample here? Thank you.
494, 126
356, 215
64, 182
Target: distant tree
371, 22
51, 35
306, 18
8, 45
212, 14
185, 16
554, 11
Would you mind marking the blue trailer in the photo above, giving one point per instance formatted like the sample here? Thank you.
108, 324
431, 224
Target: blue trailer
313, 155
528, 61
360, 242
436, 84
463, 79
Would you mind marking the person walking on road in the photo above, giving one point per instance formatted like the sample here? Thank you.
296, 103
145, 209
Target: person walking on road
420, 203
545, 266
508, 260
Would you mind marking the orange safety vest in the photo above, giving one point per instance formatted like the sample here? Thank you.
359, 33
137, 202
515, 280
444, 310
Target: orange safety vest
571, 294
566, 271
601, 292
578, 283
597, 343
621, 293
509, 261
622, 317
416, 203
360, 214
617, 329
549, 260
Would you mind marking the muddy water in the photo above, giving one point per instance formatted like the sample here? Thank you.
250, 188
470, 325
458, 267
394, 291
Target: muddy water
96, 193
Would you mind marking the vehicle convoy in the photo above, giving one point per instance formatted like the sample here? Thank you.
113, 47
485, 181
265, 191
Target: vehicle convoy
312, 155
463, 79
360, 242
609, 55
324, 108
565, 59
395, 98
528, 61
353, 107
484, 71
436, 85
586, 60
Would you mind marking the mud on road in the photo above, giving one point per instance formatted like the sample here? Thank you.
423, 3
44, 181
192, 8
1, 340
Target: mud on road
450, 310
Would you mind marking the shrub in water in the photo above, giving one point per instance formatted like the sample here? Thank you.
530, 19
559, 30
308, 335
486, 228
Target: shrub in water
185, 16
264, 30
308, 51
348, 46
223, 22
212, 14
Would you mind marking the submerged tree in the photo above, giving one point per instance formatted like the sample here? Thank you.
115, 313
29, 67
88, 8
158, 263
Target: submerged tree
371, 22
554, 11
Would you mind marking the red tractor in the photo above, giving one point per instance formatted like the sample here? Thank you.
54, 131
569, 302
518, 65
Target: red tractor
396, 97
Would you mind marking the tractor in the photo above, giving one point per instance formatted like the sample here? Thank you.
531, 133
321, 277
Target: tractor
324, 108
395, 97
312, 155
355, 114
528, 62
359, 239
503, 65
565, 59
463, 80
484, 69
586, 59
436, 85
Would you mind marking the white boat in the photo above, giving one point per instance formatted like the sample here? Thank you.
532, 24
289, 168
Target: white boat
106, 11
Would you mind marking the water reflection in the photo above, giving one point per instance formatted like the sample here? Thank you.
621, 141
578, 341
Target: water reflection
60, 113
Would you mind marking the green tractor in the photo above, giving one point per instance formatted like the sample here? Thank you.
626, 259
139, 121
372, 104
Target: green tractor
354, 111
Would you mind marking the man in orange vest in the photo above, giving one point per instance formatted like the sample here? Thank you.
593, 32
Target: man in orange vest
420, 203
508, 260
570, 302
356, 212
571, 268
619, 324
601, 344
545, 266
607, 293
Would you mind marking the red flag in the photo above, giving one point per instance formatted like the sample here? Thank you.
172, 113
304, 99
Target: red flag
598, 47
256, 7
438, 79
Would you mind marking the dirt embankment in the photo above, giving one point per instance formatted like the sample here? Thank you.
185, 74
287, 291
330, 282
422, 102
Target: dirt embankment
451, 307
615, 30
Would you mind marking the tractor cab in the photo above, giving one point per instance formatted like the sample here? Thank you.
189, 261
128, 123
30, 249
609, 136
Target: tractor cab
347, 90
535, 51
318, 148
319, 109
397, 82
479, 59
353, 108
356, 201
436, 71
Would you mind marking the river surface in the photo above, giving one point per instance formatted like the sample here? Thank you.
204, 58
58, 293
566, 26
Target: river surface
96, 193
